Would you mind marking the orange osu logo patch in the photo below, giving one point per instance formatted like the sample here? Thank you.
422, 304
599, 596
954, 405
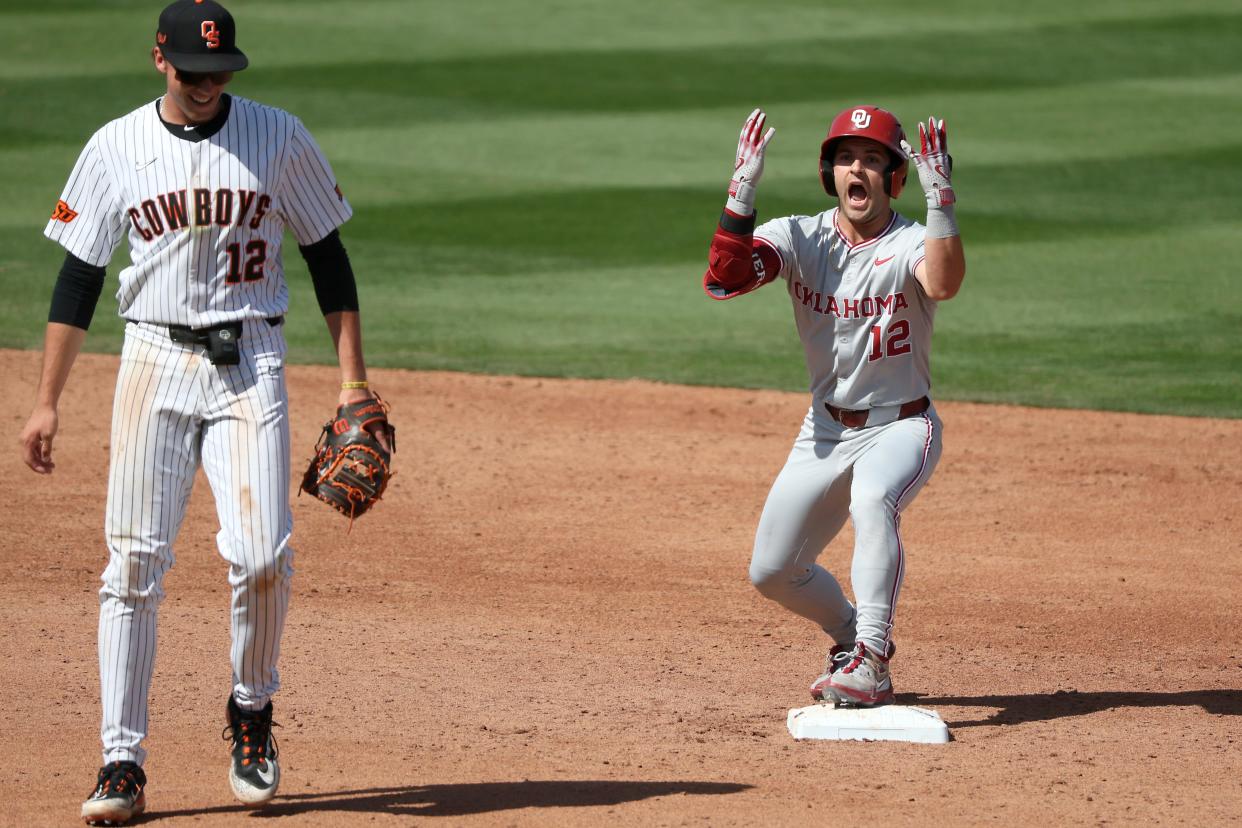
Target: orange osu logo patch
211, 34
64, 212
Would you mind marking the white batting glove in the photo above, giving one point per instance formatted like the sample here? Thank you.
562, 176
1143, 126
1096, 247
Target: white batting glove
934, 163
751, 145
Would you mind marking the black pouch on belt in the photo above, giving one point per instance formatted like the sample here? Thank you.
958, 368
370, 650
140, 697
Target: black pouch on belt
223, 344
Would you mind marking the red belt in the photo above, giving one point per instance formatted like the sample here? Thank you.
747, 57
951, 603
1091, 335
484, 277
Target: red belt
858, 419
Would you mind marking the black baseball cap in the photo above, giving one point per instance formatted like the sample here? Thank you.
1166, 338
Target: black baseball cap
199, 36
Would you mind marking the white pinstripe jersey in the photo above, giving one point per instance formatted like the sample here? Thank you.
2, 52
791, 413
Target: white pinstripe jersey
204, 218
864, 319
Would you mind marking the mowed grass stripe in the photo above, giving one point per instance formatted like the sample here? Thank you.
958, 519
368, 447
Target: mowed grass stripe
437, 164
291, 31
1110, 123
618, 80
441, 162
1035, 325
1149, 325
656, 322
672, 80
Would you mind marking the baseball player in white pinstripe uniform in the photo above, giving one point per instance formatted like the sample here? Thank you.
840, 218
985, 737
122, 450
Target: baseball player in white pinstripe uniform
865, 282
203, 184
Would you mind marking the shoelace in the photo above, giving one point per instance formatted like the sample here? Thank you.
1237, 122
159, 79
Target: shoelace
862, 656
857, 657
117, 777
836, 658
254, 735
840, 659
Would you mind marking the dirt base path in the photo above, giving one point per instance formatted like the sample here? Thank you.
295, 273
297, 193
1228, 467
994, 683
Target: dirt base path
548, 621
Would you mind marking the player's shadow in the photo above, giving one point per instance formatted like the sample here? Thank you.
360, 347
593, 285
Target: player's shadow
455, 800
1037, 707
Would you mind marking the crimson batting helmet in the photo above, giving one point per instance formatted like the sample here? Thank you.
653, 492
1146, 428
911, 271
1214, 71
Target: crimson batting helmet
880, 126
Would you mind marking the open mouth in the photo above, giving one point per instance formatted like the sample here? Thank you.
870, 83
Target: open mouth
856, 194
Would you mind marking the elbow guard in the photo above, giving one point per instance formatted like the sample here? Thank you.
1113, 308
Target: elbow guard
736, 262
730, 262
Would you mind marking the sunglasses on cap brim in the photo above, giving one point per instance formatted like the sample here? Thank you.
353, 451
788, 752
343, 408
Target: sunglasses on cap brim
195, 78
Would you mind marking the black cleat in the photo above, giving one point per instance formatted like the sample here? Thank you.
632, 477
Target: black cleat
253, 772
118, 795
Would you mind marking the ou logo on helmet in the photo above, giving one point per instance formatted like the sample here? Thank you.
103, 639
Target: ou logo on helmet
210, 34
861, 118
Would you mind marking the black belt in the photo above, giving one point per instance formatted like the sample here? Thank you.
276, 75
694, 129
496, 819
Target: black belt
199, 336
219, 340
858, 418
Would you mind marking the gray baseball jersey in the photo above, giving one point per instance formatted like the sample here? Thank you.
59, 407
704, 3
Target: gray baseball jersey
864, 321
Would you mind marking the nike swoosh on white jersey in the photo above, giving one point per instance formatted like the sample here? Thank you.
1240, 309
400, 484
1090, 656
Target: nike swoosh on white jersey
146, 164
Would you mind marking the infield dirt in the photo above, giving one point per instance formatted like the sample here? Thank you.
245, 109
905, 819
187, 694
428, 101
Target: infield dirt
548, 620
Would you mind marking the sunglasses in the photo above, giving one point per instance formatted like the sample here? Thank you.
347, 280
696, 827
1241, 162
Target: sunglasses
195, 78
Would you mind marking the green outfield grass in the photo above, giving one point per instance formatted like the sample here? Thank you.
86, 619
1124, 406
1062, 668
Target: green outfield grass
536, 184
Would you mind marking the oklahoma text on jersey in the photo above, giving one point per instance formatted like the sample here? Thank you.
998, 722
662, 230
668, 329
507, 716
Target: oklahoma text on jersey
843, 308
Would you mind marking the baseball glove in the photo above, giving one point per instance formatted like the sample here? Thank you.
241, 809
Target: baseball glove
350, 469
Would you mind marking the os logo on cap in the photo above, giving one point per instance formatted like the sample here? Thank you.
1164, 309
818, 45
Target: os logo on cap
211, 34
199, 36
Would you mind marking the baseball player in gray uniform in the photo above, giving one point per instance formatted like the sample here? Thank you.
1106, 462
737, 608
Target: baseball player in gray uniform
864, 282
204, 185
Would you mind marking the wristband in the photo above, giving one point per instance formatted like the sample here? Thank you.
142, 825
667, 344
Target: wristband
738, 225
360, 384
941, 223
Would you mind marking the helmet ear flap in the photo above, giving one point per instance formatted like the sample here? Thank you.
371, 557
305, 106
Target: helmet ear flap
825, 176
897, 179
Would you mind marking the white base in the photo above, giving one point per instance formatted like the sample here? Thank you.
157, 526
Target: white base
891, 723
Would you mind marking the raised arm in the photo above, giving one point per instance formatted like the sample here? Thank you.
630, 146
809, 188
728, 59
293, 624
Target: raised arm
736, 262
944, 264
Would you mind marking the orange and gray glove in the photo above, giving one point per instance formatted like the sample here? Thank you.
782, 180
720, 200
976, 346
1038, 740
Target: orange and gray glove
351, 467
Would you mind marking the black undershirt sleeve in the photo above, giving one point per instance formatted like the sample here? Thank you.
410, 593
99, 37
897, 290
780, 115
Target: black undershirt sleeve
335, 288
76, 293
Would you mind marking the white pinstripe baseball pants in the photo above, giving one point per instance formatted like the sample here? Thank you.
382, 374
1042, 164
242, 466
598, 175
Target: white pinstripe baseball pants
173, 411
